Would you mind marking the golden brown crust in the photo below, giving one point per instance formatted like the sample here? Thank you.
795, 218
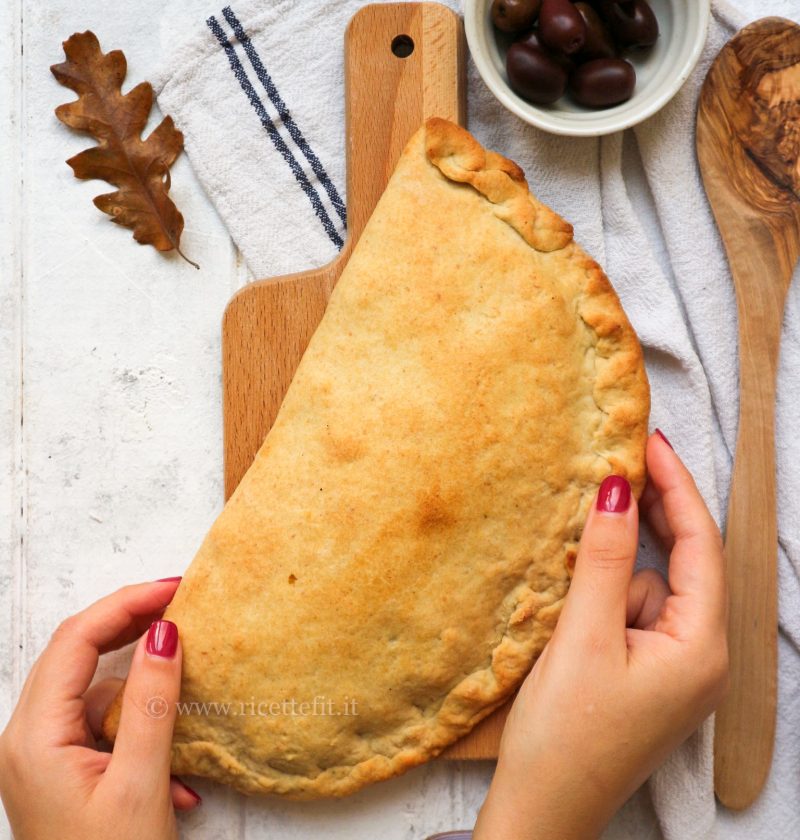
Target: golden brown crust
405, 535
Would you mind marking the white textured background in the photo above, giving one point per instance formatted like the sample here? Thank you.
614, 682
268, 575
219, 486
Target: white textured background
110, 419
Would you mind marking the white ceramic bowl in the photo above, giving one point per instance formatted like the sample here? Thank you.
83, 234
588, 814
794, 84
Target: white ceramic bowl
660, 70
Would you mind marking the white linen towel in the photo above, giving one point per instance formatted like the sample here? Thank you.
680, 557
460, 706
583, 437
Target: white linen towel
258, 93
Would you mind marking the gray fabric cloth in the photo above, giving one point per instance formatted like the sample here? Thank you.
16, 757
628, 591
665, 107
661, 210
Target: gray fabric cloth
258, 92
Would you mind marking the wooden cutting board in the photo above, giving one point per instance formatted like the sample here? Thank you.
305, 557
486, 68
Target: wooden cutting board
404, 62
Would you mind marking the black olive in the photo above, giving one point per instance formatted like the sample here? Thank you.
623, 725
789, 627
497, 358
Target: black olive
562, 59
599, 43
514, 15
602, 82
535, 75
561, 26
632, 22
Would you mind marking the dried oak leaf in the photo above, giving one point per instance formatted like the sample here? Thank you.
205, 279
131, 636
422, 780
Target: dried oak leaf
139, 168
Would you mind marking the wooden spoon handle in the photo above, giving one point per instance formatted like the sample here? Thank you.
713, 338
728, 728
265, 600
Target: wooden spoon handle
745, 723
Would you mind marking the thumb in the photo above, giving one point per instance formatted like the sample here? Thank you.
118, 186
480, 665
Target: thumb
143, 745
596, 605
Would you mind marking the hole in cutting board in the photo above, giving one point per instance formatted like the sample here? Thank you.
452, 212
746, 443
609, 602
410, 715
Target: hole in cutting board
402, 46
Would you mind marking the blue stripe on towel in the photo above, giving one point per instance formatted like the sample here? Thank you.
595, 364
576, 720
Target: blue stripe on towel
277, 140
283, 112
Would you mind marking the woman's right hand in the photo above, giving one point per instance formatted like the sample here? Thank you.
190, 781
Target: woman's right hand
634, 666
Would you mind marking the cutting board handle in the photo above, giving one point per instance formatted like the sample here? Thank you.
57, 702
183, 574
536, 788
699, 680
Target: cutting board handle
404, 63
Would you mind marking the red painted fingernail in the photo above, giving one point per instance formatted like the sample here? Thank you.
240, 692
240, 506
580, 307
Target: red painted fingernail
614, 495
665, 439
170, 579
193, 793
162, 639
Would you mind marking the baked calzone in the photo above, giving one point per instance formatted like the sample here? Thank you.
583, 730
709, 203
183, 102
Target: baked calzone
397, 555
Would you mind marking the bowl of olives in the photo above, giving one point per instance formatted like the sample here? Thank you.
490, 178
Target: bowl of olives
585, 68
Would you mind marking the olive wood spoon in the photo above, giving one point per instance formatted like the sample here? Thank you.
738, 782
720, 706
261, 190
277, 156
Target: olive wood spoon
748, 144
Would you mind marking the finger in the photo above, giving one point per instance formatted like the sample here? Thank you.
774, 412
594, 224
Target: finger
652, 508
97, 699
143, 744
67, 665
183, 797
596, 604
696, 562
646, 596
